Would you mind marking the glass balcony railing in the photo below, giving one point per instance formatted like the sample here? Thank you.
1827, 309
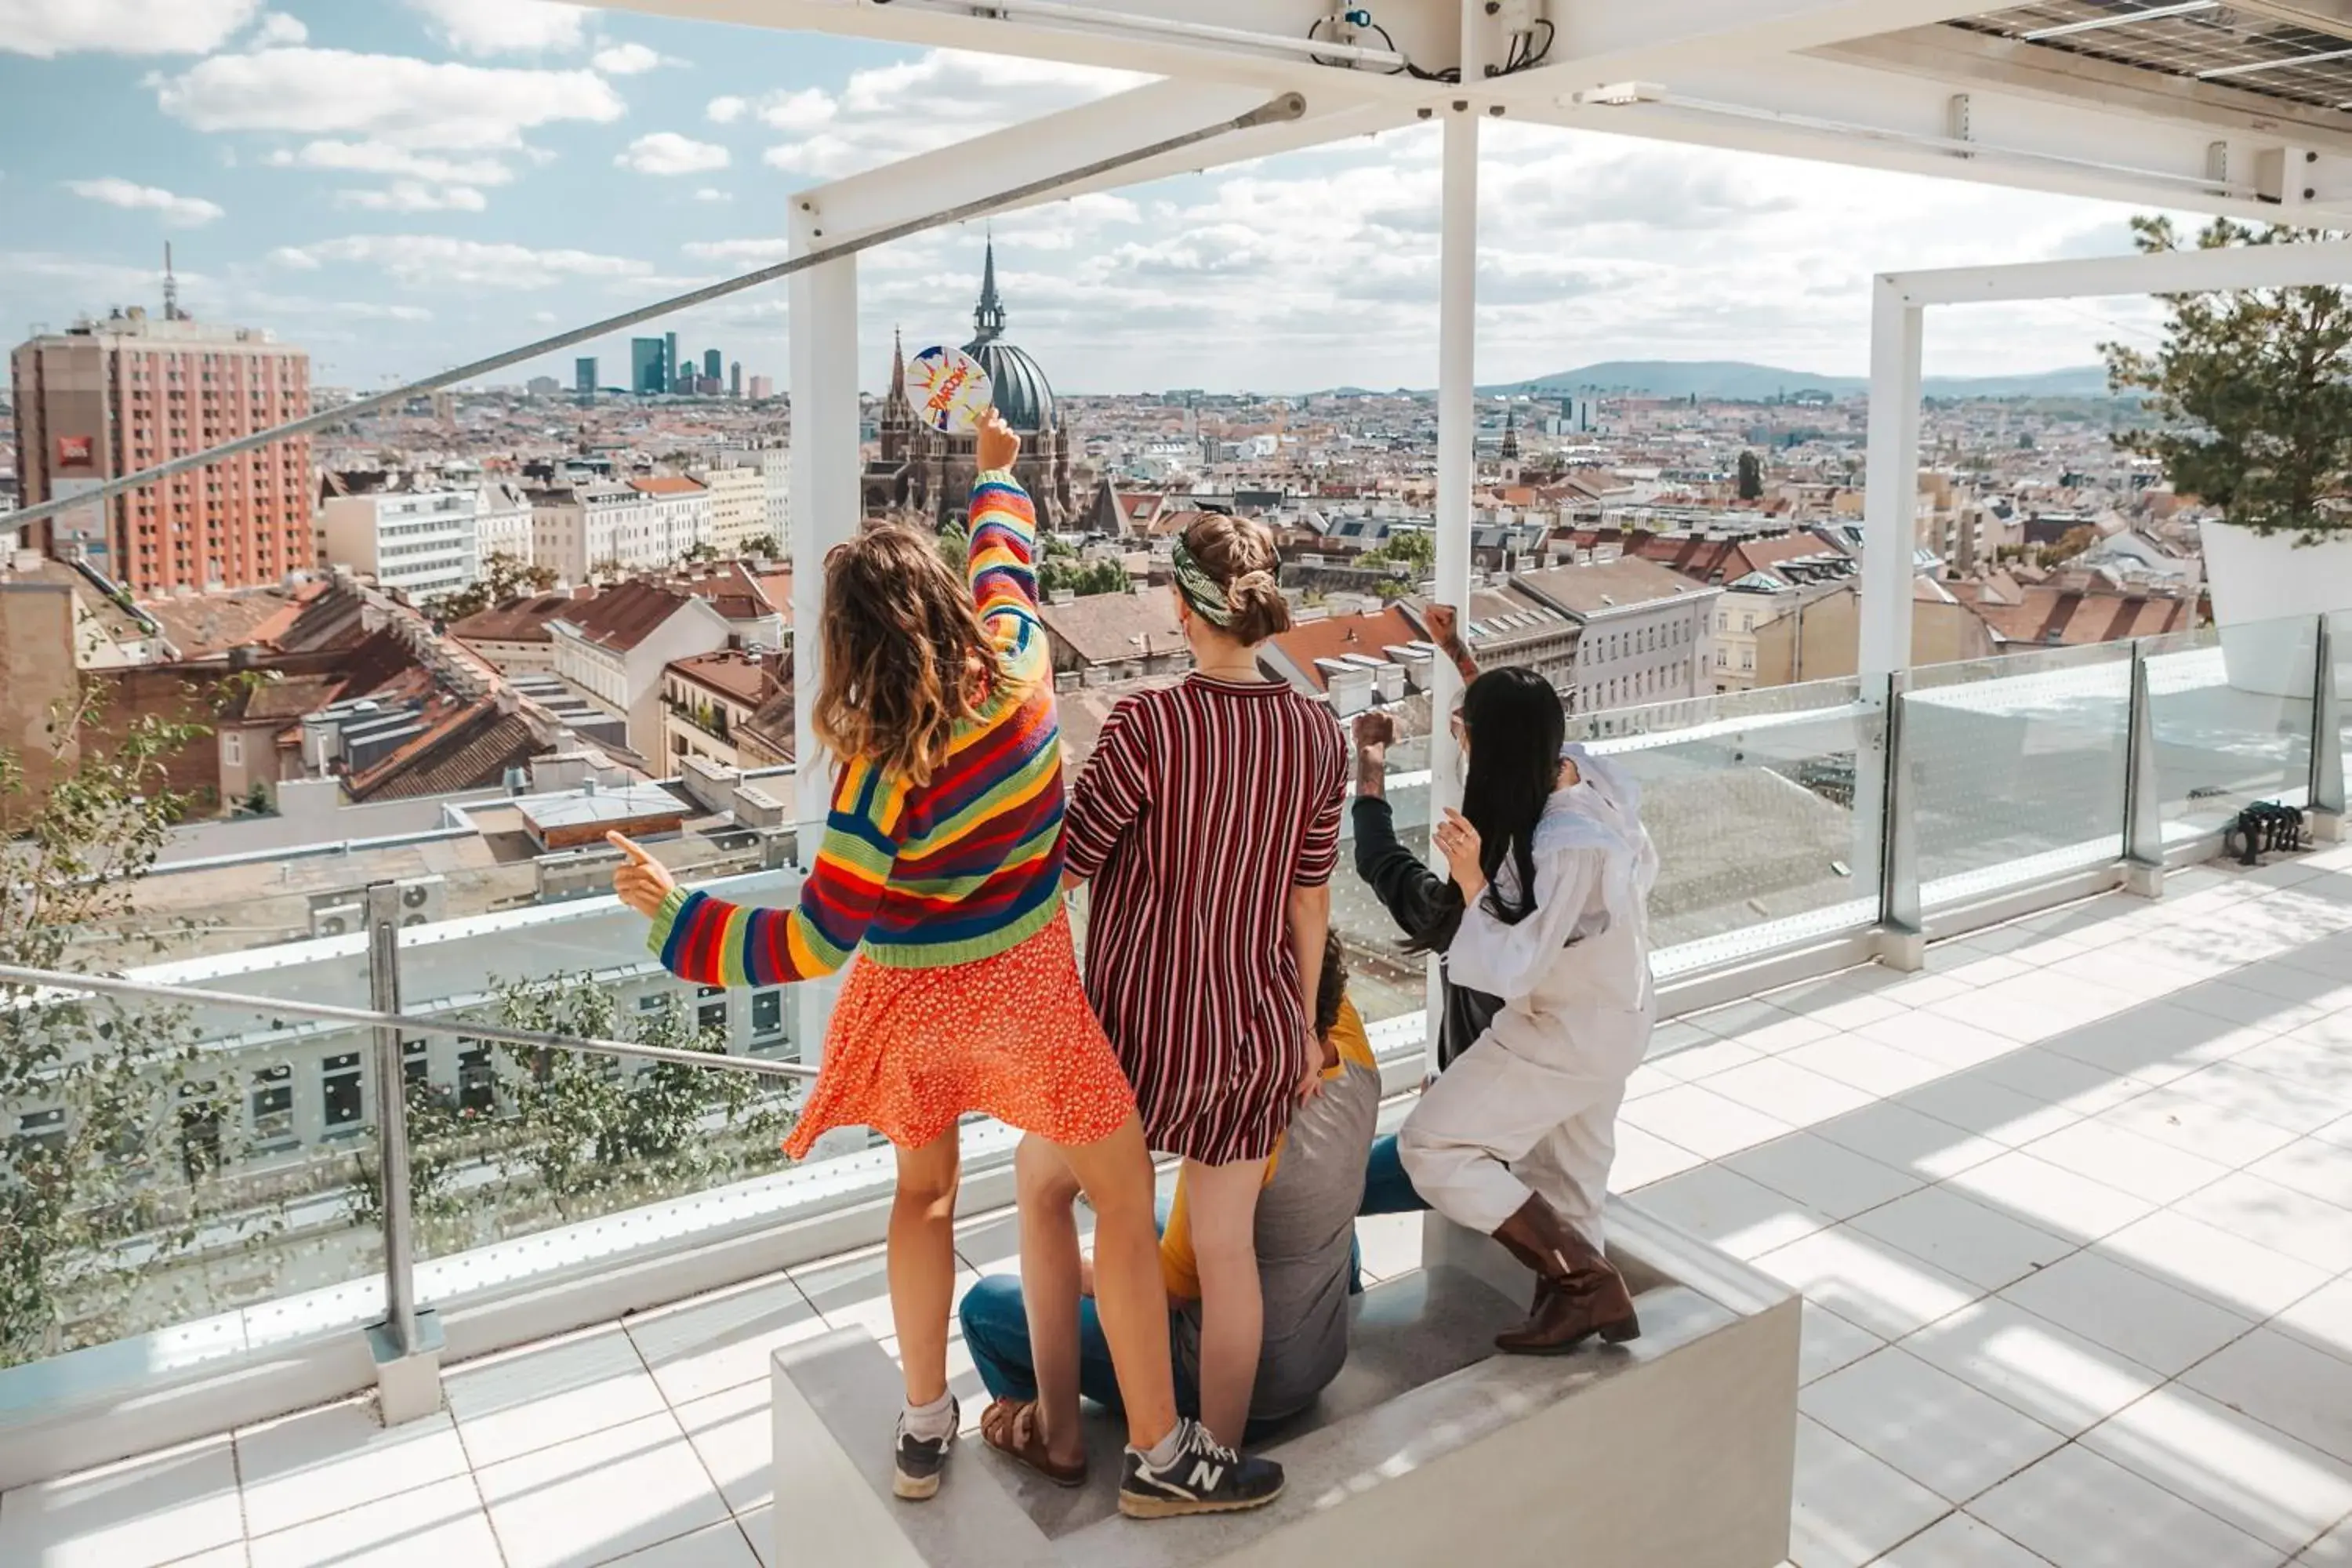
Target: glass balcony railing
2019, 762
1751, 799
2232, 715
200, 1178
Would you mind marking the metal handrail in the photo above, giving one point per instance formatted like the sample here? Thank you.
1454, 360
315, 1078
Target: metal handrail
113, 986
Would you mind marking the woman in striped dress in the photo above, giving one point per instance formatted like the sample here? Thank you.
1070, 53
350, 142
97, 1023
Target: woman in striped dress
942, 865
1208, 819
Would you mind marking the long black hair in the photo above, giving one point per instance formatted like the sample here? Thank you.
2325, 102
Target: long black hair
1514, 724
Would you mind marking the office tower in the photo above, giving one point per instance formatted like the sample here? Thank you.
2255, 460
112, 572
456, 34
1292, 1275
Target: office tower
763, 387
674, 371
649, 369
112, 396
735, 380
713, 366
583, 377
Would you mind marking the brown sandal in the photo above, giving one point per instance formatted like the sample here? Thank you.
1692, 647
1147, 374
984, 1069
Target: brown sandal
1009, 1426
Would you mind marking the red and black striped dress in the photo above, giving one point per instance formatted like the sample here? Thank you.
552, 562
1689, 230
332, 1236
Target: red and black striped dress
1202, 807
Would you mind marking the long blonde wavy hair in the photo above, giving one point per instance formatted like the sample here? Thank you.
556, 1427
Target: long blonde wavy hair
905, 656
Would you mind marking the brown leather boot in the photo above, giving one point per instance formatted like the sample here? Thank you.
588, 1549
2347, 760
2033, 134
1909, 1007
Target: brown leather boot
1578, 1294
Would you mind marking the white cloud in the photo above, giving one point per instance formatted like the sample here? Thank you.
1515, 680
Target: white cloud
668, 153
803, 110
876, 119
499, 27
382, 158
725, 110
712, 193
261, 302
402, 101
177, 210
440, 261
278, 30
625, 59
45, 28
414, 196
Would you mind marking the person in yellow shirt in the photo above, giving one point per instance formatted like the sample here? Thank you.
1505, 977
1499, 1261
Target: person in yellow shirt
1306, 1250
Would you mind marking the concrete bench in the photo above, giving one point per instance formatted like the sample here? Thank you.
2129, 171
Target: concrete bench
1678, 1448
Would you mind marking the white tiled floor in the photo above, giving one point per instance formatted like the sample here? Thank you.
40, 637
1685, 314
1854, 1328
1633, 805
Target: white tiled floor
2073, 1211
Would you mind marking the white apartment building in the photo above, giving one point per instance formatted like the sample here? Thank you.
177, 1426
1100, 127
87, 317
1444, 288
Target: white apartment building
633, 524
420, 543
739, 508
615, 648
773, 458
707, 700
1644, 630
506, 526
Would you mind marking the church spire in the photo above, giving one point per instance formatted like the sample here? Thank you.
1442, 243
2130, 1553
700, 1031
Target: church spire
1511, 433
988, 321
897, 413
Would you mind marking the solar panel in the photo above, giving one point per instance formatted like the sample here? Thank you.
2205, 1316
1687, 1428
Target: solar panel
2210, 42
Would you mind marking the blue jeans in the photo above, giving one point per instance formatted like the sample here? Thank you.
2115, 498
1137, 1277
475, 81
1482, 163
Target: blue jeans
996, 1331
1387, 1190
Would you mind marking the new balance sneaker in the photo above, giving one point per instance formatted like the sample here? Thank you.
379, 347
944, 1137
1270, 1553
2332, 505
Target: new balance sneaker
921, 1460
1205, 1477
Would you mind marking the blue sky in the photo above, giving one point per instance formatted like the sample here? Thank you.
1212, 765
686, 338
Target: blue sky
405, 184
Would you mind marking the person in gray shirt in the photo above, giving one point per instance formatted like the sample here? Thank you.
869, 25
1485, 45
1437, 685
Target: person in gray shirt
1305, 1246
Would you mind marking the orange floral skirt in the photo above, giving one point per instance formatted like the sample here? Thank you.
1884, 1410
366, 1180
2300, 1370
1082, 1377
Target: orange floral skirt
912, 1050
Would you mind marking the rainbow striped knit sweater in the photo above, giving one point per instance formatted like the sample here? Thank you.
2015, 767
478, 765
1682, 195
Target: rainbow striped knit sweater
962, 869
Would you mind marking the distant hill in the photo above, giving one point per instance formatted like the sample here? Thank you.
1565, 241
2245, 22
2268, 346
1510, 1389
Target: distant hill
1736, 381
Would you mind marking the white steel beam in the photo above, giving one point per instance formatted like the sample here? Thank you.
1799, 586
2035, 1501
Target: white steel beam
2073, 148
1458, 431
1457, 370
826, 509
1890, 480
1422, 29
1954, 59
2162, 272
1034, 150
1879, 63
1613, 35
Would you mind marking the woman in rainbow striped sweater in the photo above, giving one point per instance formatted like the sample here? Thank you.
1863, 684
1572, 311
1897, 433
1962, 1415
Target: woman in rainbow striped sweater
941, 864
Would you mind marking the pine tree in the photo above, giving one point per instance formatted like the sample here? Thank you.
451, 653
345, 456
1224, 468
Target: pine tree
2251, 392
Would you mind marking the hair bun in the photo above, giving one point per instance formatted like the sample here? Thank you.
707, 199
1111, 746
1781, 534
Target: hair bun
1259, 609
1241, 555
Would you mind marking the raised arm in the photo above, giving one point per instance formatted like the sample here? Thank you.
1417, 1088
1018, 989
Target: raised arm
1406, 888
1001, 563
713, 943
1446, 631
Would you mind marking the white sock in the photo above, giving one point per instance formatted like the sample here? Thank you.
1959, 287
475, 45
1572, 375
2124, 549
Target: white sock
931, 1423
1163, 1454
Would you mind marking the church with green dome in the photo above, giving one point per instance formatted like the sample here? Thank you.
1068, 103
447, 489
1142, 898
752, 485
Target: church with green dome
920, 474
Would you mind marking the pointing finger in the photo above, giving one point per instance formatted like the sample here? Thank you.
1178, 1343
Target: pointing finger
621, 842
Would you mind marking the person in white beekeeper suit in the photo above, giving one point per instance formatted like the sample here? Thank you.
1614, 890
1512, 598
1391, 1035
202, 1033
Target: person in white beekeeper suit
1547, 910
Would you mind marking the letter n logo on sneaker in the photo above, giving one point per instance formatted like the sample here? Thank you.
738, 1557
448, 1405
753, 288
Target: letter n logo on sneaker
1205, 1477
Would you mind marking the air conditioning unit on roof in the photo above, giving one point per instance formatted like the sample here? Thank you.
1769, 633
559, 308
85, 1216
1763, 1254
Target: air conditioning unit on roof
335, 919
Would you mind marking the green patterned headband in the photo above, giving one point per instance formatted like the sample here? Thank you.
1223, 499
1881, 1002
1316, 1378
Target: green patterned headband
1203, 592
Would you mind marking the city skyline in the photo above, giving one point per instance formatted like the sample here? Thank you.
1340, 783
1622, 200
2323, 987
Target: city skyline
399, 190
